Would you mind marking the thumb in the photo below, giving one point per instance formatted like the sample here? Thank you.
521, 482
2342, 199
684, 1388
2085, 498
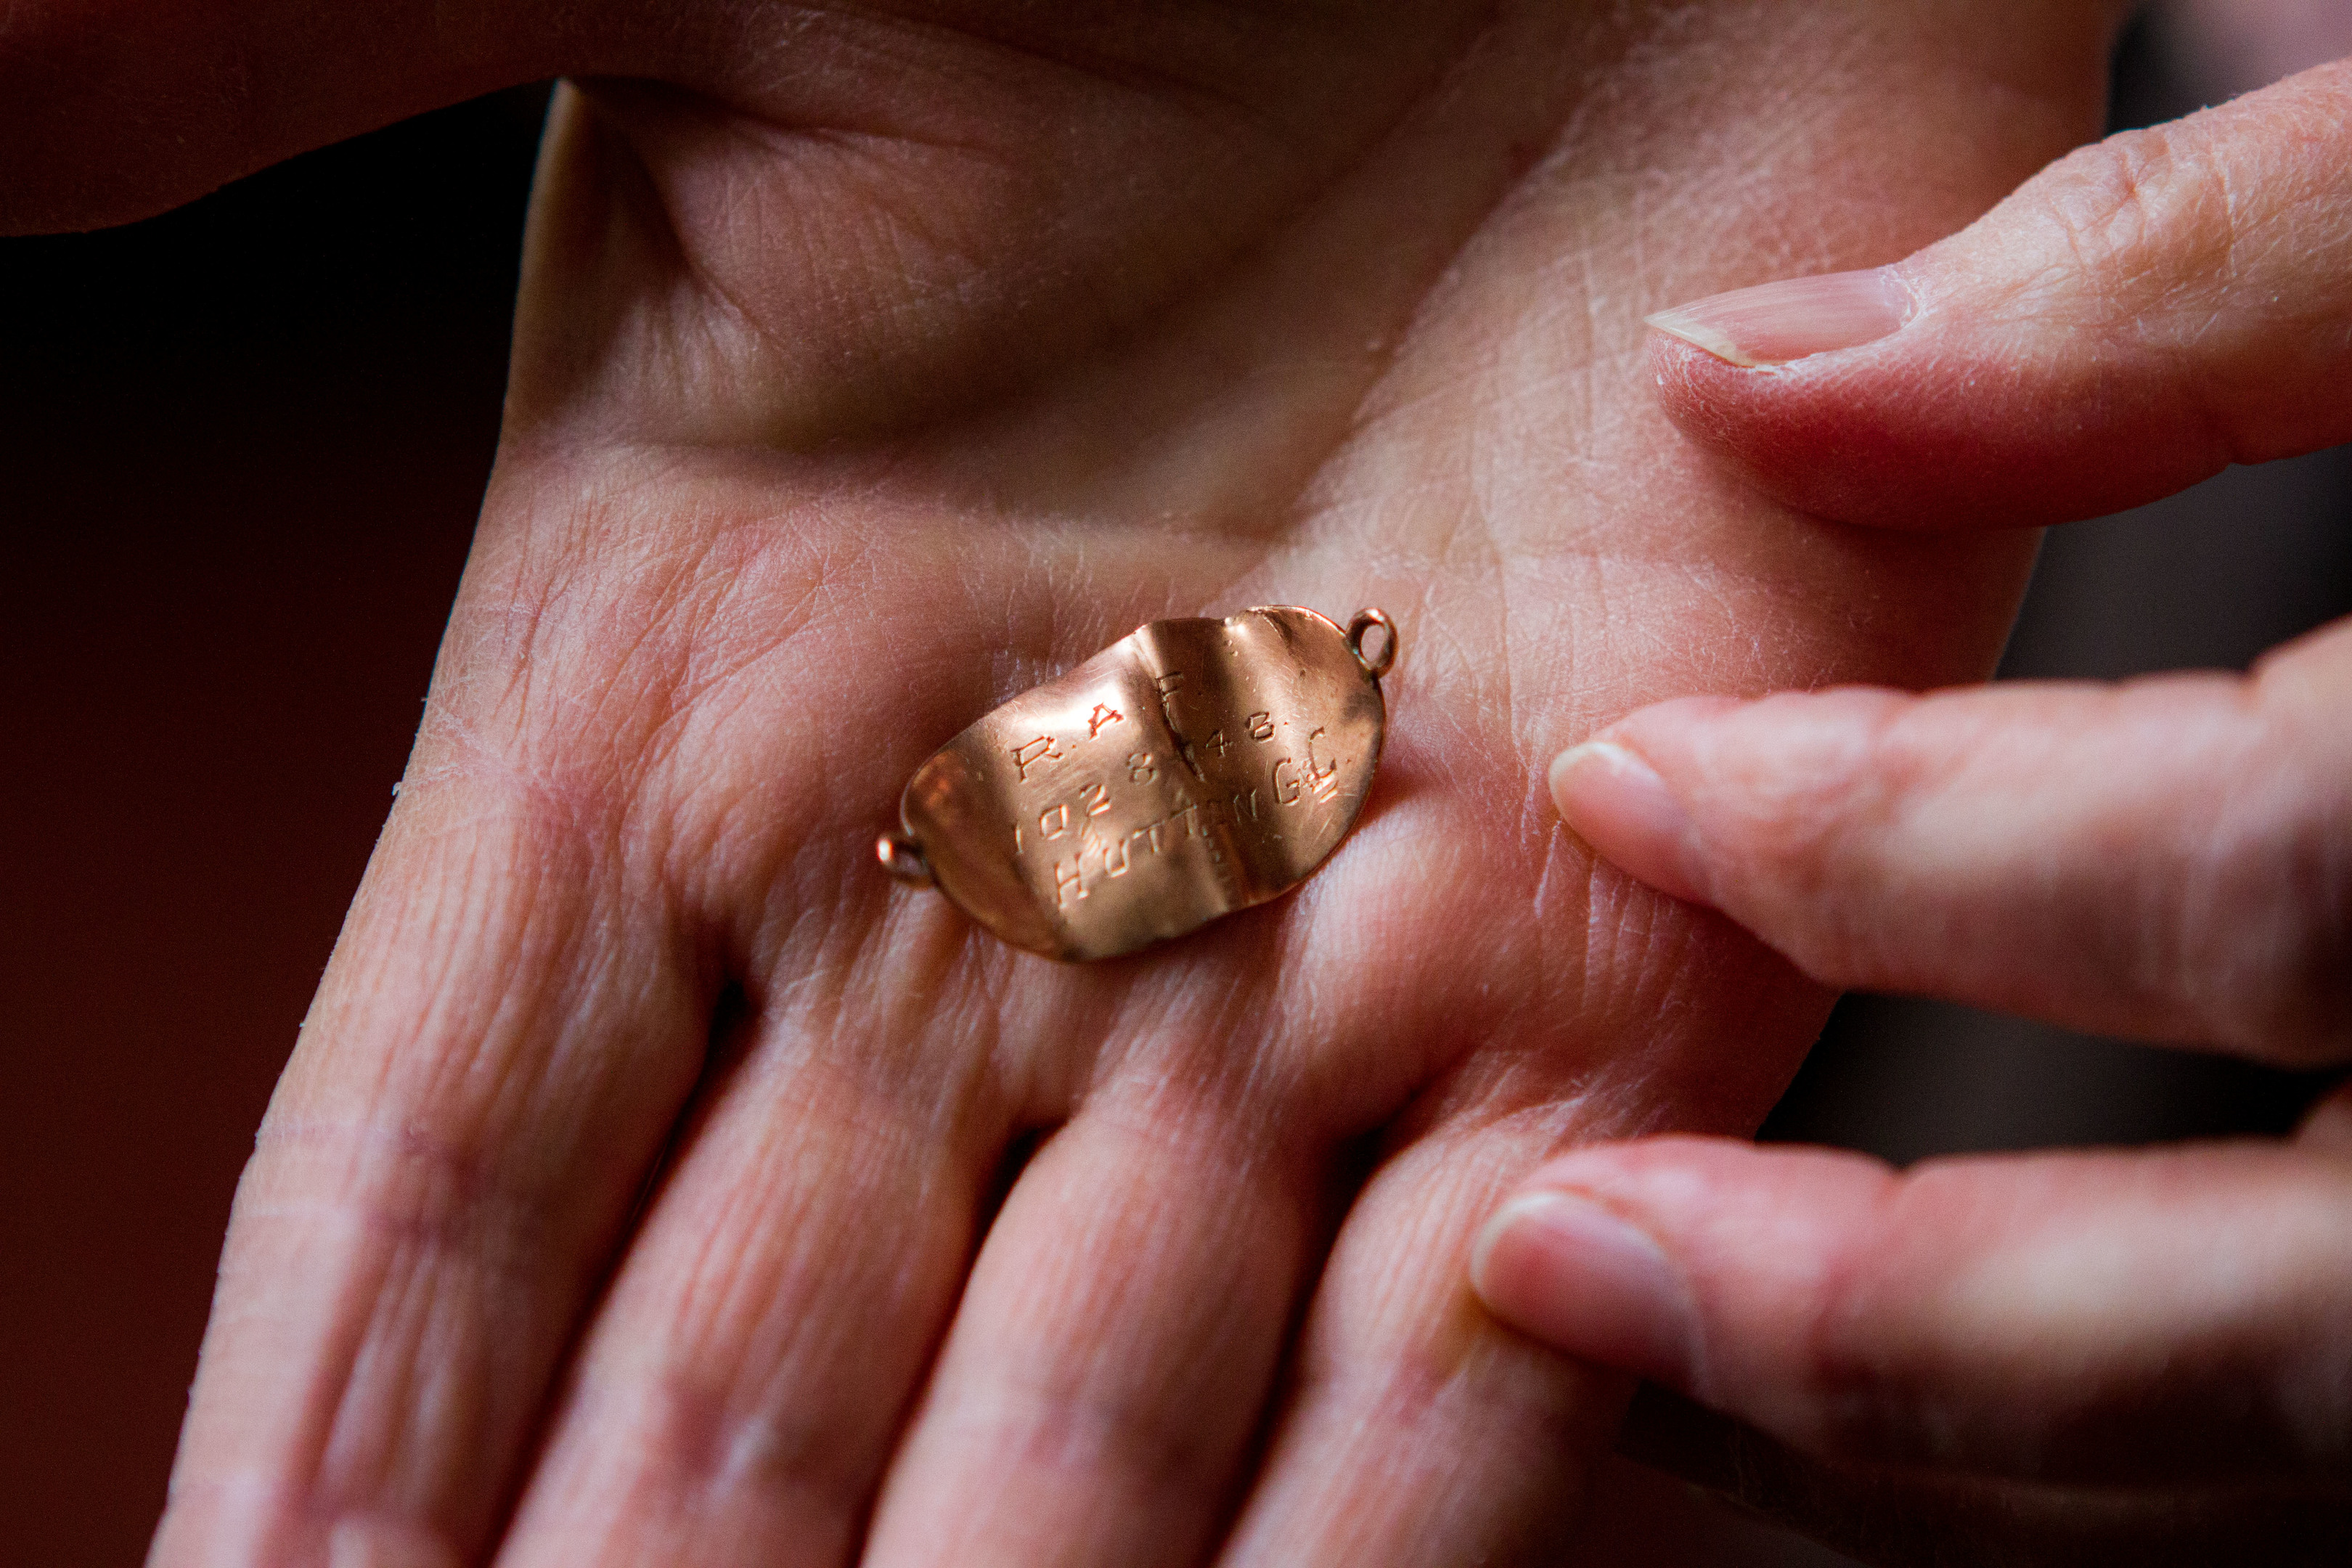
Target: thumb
2132, 320
2090, 1318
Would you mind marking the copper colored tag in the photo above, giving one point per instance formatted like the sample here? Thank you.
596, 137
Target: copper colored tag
1191, 768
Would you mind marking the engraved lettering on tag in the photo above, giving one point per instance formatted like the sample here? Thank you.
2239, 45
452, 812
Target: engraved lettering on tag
1039, 835
1324, 780
1212, 812
1028, 753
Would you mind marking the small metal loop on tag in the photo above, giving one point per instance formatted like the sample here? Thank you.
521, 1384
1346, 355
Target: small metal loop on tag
1366, 619
903, 858
1190, 770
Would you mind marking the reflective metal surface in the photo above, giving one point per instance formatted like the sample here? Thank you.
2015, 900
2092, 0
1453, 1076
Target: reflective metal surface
1193, 768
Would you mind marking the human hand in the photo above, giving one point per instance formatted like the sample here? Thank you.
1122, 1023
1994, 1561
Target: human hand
647, 1183
2115, 1356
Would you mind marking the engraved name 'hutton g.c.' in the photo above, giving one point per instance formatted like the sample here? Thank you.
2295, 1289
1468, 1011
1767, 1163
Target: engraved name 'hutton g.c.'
1191, 769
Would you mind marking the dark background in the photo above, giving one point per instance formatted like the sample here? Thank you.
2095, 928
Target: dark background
241, 450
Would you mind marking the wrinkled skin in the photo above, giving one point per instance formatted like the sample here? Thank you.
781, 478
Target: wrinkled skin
2136, 1355
634, 1192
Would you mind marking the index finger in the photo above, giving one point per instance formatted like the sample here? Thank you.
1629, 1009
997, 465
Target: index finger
2169, 860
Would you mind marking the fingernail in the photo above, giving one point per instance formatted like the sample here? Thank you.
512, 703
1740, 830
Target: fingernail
1558, 1267
1774, 323
1618, 803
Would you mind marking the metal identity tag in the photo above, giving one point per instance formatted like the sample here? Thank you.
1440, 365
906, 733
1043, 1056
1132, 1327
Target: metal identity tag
1191, 769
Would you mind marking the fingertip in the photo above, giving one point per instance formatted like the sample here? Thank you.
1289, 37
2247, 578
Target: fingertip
1827, 437
1615, 801
1697, 333
1489, 1277
2037, 368
1612, 794
1706, 396
1791, 319
1562, 1267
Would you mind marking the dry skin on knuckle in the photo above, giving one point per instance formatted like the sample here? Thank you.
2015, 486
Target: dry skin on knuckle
2198, 262
2134, 220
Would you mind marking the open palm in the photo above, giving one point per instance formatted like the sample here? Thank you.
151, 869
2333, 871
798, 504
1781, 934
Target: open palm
654, 1181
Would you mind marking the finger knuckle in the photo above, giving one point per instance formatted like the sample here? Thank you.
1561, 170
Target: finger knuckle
1816, 834
1871, 1377
420, 1198
1854, 1397
2131, 210
695, 1436
2310, 1014
2266, 947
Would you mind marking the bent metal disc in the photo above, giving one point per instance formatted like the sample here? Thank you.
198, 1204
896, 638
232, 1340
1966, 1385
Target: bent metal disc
1191, 769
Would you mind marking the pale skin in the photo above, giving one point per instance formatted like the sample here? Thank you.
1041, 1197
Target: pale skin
633, 1194
2133, 1357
